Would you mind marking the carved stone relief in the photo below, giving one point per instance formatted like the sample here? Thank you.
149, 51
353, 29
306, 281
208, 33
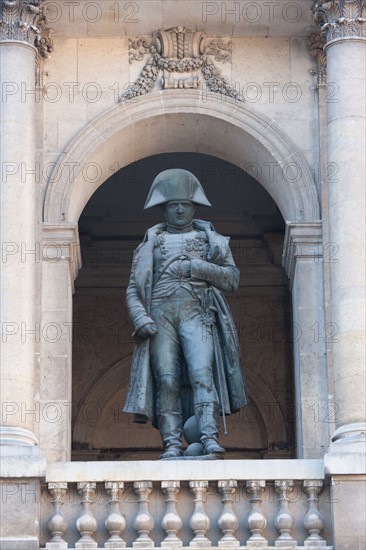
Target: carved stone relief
25, 20
340, 18
220, 50
138, 49
316, 42
183, 60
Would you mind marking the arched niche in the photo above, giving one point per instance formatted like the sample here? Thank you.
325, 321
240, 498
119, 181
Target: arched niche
171, 121
111, 226
188, 121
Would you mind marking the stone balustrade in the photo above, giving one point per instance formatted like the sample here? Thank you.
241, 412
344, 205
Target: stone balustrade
195, 504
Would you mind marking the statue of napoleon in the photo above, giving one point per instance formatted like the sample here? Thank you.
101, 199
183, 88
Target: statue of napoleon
186, 360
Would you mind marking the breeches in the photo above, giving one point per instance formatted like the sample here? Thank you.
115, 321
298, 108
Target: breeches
184, 340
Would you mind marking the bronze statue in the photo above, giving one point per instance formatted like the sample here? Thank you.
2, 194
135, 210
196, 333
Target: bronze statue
186, 360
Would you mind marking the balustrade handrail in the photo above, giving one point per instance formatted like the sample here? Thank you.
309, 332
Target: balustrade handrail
185, 470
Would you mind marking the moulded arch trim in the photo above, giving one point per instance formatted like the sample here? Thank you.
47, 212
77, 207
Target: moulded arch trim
177, 121
99, 396
104, 389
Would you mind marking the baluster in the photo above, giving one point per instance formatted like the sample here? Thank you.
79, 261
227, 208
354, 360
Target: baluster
86, 523
115, 522
144, 522
256, 521
313, 521
228, 520
171, 522
284, 521
199, 522
57, 524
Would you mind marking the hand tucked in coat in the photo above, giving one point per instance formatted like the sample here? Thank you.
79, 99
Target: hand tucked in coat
181, 268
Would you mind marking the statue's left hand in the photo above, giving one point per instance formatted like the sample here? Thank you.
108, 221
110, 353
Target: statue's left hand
146, 331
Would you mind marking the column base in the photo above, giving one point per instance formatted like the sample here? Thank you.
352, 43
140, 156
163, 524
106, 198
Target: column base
350, 438
21, 437
20, 455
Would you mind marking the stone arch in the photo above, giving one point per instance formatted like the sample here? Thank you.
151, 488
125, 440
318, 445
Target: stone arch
99, 396
104, 389
173, 121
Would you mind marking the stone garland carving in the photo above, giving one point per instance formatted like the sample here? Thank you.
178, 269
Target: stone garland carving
140, 46
25, 20
182, 57
144, 83
340, 18
216, 83
316, 43
220, 50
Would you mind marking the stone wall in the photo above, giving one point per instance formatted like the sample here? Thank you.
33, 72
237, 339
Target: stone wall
86, 76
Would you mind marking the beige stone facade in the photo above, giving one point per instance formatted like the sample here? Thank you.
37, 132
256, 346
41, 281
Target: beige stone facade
266, 103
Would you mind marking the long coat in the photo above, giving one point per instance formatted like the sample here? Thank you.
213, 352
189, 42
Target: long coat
228, 372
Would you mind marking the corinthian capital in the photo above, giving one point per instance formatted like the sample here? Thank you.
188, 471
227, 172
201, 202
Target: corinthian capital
340, 18
25, 20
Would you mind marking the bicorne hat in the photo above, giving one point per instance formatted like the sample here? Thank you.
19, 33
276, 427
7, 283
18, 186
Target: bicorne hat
176, 185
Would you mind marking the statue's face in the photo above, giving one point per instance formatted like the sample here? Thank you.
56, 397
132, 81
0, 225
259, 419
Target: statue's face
179, 213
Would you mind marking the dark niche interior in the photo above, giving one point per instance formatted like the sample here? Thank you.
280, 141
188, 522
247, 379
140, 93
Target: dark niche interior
111, 226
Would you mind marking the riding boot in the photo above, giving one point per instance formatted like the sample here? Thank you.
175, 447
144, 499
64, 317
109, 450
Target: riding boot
171, 426
207, 415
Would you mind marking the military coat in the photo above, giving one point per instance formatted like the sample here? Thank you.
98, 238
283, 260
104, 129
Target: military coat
218, 268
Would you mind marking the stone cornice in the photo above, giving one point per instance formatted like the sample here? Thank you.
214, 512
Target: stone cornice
61, 243
25, 20
340, 19
303, 241
316, 43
